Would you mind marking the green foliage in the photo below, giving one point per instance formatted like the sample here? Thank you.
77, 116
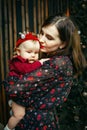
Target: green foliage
78, 12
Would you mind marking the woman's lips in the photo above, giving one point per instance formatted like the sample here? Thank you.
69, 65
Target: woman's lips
41, 46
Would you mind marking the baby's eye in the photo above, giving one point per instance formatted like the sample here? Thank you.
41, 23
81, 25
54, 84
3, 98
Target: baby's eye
36, 52
28, 51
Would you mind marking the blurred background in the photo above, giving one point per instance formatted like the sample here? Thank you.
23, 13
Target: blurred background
20, 15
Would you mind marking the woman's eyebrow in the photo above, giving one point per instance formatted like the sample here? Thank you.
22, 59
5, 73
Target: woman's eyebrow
48, 35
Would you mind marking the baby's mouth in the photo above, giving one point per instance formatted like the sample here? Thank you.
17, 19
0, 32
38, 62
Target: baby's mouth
31, 61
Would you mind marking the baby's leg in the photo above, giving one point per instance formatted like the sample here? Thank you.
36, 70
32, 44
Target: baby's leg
18, 114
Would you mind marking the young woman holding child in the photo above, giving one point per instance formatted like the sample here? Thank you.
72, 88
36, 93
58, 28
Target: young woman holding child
42, 90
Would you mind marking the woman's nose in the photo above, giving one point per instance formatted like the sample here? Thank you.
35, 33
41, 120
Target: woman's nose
42, 38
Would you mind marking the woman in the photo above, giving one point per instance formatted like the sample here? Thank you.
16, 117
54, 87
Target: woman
46, 88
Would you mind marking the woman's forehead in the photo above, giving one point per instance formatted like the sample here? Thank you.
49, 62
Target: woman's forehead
50, 30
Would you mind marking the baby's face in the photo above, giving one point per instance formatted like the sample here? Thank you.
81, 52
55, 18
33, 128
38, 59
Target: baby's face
30, 50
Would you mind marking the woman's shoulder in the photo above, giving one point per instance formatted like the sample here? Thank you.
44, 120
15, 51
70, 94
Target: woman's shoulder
62, 59
62, 62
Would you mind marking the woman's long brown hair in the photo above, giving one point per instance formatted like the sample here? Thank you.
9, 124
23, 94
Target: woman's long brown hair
68, 33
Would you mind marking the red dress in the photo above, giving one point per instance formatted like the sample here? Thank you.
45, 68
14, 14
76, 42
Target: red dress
41, 92
19, 66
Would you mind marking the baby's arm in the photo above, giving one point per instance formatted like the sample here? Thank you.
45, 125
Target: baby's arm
24, 67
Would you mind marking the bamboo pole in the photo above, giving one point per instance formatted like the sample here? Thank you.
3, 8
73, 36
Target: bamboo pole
42, 12
67, 11
14, 23
6, 61
1, 65
6, 35
34, 8
23, 14
27, 16
39, 15
10, 28
1, 47
46, 8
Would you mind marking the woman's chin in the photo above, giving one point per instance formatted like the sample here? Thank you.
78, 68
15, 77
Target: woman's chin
43, 50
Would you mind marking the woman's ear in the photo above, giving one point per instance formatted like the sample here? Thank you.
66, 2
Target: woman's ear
63, 45
17, 51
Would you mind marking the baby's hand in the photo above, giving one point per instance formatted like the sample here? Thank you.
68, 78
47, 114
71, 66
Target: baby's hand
43, 60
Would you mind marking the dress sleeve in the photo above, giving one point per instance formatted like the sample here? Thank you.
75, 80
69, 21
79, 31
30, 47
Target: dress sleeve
24, 67
46, 86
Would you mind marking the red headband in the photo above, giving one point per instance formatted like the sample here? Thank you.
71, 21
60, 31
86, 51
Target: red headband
25, 37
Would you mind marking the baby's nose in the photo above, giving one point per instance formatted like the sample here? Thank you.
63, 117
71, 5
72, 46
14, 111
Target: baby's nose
33, 54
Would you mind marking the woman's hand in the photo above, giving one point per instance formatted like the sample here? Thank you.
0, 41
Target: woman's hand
43, 60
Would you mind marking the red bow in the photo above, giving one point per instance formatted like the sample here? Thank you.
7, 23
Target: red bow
25, 37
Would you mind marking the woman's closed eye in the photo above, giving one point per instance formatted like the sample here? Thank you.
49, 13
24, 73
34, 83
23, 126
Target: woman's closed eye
49, 37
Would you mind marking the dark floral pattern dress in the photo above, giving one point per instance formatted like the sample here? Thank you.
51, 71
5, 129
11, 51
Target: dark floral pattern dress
41, 91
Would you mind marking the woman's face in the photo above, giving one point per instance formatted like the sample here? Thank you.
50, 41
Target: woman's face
49, 38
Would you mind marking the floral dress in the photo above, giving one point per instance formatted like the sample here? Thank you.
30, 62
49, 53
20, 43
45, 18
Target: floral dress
41, 91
